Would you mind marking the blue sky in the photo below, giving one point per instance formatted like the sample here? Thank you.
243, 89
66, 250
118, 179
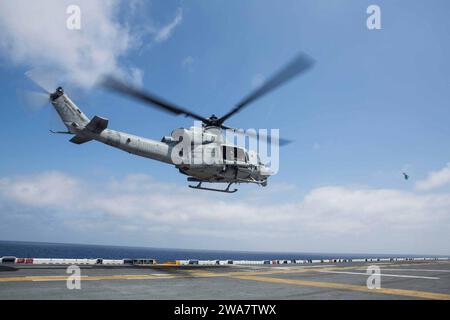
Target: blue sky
376, 104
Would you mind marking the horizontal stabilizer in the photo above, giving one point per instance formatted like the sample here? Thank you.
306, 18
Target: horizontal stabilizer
79, 140
97, 124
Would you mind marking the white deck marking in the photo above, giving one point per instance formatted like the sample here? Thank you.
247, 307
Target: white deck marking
425, 270
381, 274
303, 267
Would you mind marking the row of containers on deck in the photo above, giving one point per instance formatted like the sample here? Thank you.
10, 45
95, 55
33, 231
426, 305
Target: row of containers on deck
99, 261
294, 261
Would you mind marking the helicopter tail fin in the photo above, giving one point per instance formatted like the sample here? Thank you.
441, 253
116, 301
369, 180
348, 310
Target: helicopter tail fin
96, 125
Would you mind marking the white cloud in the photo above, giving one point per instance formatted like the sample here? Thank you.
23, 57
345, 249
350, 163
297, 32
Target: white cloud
333, 218
137, 77
165, 32
41, 190
34, 34
435, 179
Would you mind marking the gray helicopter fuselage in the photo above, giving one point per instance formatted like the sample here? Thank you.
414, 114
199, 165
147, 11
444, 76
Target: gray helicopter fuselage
209, 157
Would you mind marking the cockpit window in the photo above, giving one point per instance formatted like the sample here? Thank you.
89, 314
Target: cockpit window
233, 154
240, 155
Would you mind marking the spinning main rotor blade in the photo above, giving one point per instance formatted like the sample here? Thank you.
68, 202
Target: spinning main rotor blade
121, 87
281, 141
299, 65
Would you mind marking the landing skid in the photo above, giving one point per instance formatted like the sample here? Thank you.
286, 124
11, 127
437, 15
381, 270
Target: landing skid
227, 190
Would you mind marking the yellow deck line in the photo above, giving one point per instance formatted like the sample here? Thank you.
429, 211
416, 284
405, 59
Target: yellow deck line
351, 287
85, 278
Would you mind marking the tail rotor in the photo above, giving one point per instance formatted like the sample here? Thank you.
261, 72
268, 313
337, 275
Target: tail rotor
46, 90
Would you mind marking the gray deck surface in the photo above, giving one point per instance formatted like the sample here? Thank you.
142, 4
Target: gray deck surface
399, 280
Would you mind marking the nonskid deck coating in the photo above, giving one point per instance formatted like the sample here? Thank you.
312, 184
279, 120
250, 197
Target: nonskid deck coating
399, 280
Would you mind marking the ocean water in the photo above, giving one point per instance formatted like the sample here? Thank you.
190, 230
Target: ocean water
59, 250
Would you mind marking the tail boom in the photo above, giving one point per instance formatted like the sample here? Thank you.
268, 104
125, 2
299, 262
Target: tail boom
86, 130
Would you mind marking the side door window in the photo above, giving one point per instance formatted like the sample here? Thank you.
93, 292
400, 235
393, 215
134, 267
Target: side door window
228, 153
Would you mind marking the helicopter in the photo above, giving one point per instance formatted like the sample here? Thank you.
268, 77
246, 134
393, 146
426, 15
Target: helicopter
224, 163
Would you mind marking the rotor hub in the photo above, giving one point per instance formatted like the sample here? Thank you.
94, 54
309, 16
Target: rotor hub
58, 93
213, 120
